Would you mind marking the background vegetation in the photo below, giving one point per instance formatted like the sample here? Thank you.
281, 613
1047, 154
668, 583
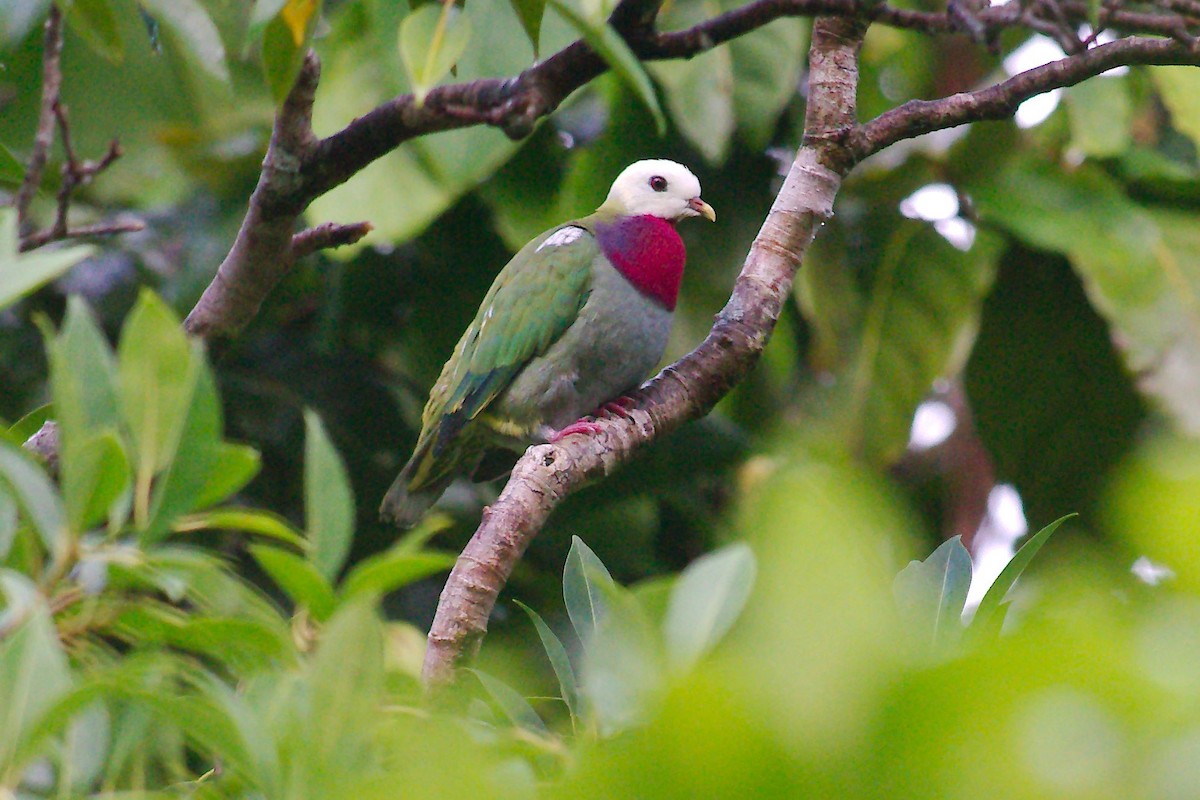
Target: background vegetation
200, 601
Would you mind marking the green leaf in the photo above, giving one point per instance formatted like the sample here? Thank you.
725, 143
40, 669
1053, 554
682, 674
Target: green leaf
97, 477
156, 379
530, 12
190, 25
26, 483
766, 70
609, 45
699, 91
346, 681
1140, 266
233, 466
286, 39
511, 704
989, 617
921, 315
559, 661
623, 663
706, 601
1101, 114
432, 40
328, 501
584, 580
415, 539
264, 12
250, 520
392, 570
1179, 88
33, 668
298, 579
19, 18
12, 171
22, 273
931, 594
20, 431
96, 22
82, 378
195, 449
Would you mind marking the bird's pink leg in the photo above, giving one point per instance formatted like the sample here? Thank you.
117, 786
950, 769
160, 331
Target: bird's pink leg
620, 407
584, 425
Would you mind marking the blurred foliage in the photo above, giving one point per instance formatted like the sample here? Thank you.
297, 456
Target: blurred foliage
167, 629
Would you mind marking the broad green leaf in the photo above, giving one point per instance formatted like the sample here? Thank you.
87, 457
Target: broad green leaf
766, 72
34, 493
559, 661
346, 682
584, 579
8, 525
1140, 266
415, 539
264, 12
233, 466
298, 579
250, 520
989, 617
921, 315
96, 477
706, 601
96, 22
12, 171
510, 702
609, 45
82, 377
156, 378
190, 461
432, 40
392, 570
22, 273
530, 12
1180, 91
699, 91
623, 670
189, 23
328, 501
34, 672
19, 18
286, 39
1101, 115
931, 594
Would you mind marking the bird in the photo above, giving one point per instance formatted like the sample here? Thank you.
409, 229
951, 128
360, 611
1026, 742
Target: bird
574, 322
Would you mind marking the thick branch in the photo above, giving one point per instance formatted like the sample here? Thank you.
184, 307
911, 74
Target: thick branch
1000, 100
262, 252
683, 391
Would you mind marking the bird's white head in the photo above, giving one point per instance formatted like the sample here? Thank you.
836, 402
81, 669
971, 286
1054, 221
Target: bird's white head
659, 188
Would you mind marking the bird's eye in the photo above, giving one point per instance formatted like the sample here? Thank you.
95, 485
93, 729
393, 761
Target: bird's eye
658, 183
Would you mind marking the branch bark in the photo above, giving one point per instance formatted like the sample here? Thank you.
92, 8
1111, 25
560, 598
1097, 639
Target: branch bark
686, 390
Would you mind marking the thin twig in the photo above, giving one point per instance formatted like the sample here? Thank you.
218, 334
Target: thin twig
326, 235
44, 134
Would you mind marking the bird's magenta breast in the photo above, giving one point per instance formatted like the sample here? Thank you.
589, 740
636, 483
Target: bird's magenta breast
648, 252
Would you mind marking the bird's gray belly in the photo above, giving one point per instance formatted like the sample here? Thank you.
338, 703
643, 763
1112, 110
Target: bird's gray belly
614, 344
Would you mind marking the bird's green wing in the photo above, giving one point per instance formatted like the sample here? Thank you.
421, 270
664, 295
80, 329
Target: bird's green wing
533, 301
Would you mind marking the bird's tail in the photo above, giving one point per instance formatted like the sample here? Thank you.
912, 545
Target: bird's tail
416, 488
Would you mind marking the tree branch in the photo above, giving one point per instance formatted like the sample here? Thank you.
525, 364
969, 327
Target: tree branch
297, 172
44, 134
1000, 100
686, 390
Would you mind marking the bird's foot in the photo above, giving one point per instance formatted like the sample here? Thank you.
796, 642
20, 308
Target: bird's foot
585, 425
621, 407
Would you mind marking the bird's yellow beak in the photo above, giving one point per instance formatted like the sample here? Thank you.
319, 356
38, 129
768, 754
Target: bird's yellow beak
702, 209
